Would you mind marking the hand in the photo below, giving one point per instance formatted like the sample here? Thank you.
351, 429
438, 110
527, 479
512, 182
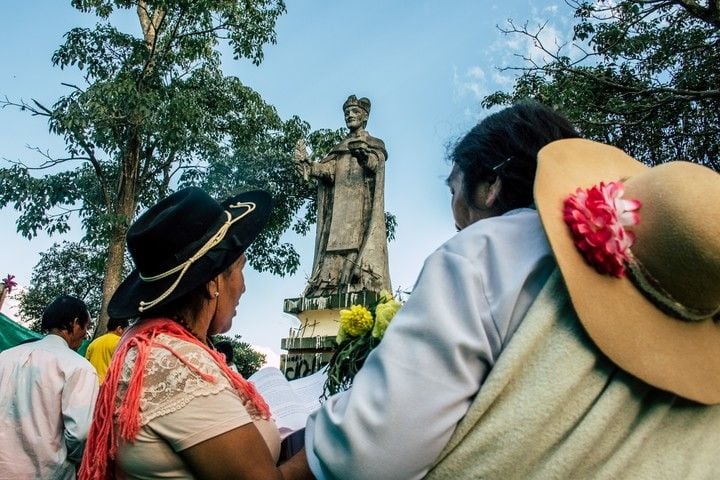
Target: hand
301, 159
360, 150
360, 155
300, 153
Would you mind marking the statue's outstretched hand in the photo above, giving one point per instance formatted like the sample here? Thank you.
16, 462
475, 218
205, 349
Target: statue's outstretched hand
301, 159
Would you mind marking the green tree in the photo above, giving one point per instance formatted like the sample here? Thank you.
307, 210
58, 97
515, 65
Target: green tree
69, 268
643, 75
156, 113
247, 360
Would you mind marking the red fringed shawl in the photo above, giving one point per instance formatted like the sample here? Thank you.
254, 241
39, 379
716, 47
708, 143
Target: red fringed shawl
102, 443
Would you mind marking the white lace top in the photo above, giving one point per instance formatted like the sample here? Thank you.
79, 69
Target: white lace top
168, 383
179, 409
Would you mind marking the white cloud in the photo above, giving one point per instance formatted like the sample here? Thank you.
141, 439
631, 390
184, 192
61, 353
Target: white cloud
272, 359
476, 72
501, 79
513, 42
471, 83
551, 9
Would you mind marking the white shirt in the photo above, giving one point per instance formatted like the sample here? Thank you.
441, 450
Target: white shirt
47, 397
414, 388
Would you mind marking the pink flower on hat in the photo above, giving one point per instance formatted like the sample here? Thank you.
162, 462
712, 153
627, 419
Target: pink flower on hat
597, 217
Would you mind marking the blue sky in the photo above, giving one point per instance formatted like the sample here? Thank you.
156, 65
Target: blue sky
424, 65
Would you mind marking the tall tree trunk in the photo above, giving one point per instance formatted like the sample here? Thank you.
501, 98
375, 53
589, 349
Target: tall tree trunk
113, 275
126, 195
124, 214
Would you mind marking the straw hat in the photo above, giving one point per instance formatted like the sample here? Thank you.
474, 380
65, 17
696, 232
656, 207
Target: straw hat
183, 241
647, 291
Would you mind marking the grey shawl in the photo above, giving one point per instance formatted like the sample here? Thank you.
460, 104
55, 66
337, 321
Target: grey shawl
555, 407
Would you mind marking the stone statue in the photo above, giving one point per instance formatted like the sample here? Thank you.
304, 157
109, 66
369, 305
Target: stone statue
351, 238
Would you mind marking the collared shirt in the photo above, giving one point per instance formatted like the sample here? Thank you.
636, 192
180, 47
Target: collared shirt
47, 397
99, 352
414, 388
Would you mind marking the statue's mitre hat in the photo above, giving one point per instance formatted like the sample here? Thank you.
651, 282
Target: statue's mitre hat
352, 100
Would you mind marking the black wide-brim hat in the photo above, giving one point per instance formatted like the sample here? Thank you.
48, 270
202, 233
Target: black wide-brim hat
184, 241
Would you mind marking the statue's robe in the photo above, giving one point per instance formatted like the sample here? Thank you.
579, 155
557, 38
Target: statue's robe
351, 240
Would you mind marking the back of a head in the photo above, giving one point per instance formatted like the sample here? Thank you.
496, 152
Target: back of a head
63, 311
114, 323
226, 349
505, 144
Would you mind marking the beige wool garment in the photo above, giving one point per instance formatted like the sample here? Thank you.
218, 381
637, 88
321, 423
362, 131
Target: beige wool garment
554, 407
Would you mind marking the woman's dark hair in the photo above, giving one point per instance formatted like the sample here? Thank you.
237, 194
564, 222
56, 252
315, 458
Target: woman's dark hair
62, 312
226, 349
185, 308
505, 144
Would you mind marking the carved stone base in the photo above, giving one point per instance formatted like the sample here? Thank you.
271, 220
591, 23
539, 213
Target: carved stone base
336, 301
311, 346
306, 355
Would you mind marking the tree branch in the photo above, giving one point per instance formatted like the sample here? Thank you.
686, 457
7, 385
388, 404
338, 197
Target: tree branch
150, 28
709, 14
557, 65
49, 162
39, 109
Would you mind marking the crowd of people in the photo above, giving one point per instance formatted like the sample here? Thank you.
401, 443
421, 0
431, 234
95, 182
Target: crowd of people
570, 329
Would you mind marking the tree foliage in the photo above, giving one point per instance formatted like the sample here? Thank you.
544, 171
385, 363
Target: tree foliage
155, 113
643, 75
247, 360
69, 268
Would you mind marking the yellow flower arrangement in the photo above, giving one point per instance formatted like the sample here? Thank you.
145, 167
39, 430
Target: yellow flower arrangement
360, 331
356, 321
384, 312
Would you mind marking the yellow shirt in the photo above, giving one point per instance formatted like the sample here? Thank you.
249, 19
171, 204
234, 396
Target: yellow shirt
99, 352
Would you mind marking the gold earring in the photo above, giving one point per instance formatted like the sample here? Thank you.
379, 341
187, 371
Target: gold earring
217, 294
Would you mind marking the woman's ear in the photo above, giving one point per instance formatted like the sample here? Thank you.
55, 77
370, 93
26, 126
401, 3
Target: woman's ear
486, 194
493, 192
211, 287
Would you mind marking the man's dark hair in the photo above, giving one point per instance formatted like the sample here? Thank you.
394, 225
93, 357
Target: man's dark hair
226, 349
505, 144
63, 311
114, 323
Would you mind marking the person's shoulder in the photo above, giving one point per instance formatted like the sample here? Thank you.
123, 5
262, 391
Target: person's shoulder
94, 343
109, 338
178, 344
70, 360
22, 349
9, 354
171, 353
190, 352
515, 228
374, 142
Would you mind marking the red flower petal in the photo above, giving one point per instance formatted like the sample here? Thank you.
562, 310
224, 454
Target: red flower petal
595, 218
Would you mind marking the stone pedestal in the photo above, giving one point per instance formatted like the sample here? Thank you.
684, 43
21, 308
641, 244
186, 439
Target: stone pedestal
311, 346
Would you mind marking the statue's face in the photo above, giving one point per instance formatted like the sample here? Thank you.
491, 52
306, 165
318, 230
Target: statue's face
355, 117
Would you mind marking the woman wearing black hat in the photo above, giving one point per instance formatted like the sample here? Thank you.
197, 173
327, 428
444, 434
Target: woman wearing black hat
170, 406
